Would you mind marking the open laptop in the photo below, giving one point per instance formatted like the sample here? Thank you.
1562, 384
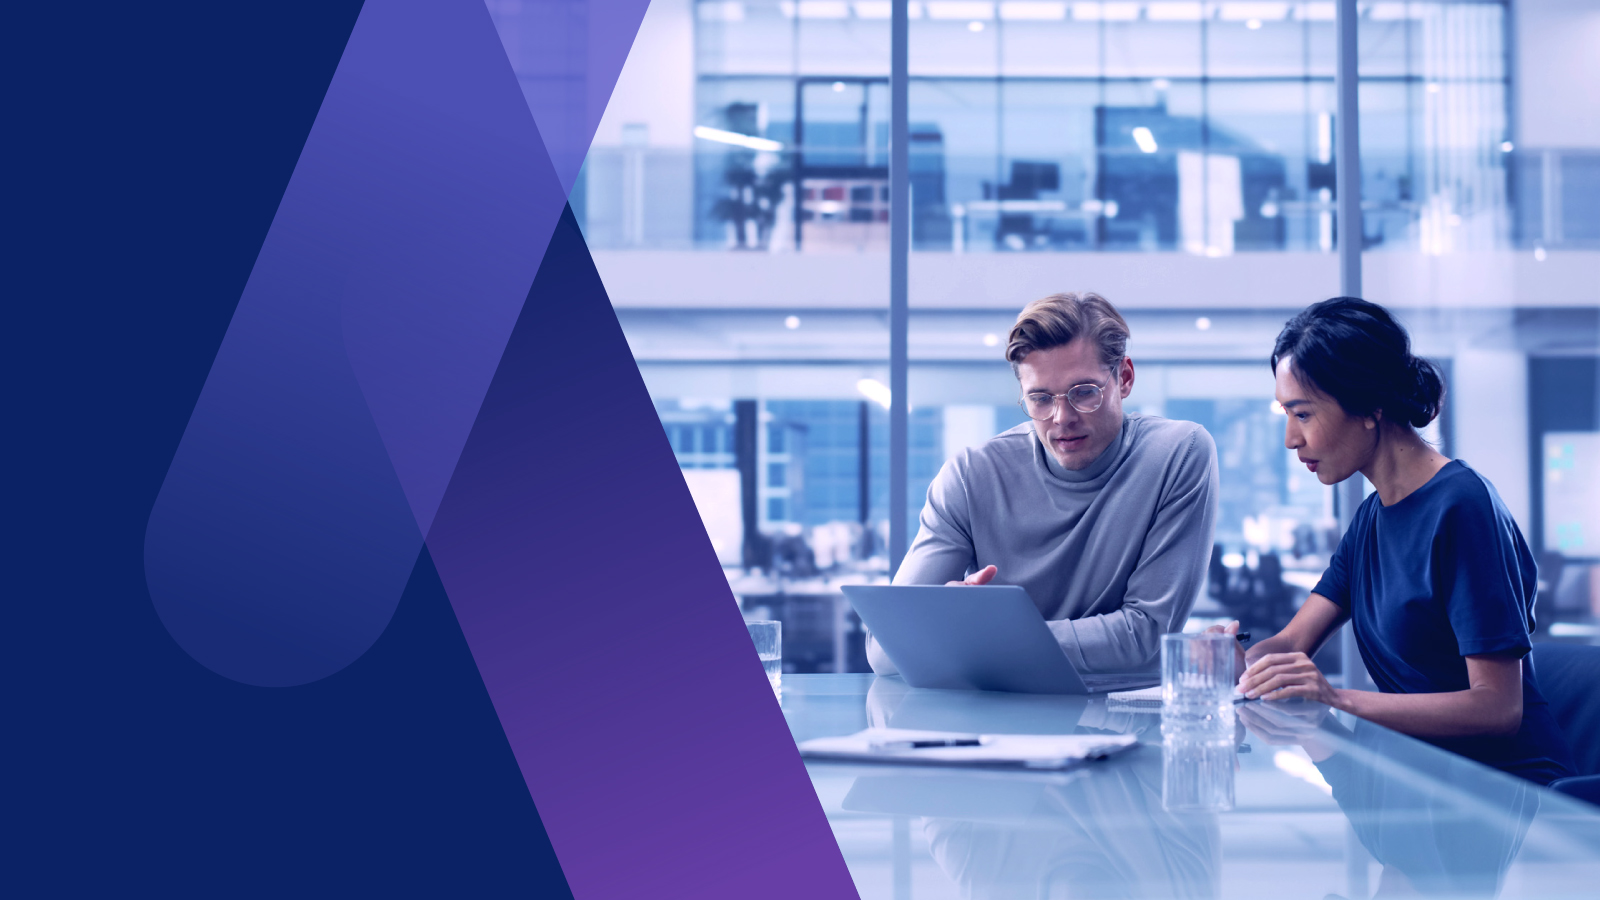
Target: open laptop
975, 637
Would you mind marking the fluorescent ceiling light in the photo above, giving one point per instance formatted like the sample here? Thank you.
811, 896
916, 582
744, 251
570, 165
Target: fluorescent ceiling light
1318, 12
1105, 12
1266, 12
736, 139
719, 11
876, 391
1175, 12
816, 9
1145, 140
1032, 11
960, 9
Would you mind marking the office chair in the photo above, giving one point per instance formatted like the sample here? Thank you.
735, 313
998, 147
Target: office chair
1567, 676
1551, 564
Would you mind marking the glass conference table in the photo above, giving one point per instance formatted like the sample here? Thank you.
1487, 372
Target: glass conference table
1324, 806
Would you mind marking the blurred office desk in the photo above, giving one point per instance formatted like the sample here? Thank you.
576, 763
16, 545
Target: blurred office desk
1323, 806
821, 632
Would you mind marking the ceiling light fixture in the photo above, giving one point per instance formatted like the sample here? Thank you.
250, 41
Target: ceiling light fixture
876, 391
736, 139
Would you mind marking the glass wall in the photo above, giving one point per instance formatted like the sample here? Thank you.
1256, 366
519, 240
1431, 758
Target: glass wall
1198, 127
1177, 157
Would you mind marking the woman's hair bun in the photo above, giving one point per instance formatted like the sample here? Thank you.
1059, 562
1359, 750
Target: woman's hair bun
1355, 352
1427, 395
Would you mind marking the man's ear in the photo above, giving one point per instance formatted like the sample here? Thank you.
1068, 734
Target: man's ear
1374, 420
1125, 376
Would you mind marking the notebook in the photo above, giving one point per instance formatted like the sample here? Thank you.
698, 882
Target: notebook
1148, 698
902, 746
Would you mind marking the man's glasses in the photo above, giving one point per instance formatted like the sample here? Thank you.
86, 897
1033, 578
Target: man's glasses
1085, 398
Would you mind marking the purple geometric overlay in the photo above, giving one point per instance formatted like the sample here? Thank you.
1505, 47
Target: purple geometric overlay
390, 374
567, 68
359, 352
604, 630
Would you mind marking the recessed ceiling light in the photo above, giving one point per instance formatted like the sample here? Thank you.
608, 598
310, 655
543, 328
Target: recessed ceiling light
791, 322
991, 340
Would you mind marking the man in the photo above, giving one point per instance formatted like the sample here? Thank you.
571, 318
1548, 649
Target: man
1105, 518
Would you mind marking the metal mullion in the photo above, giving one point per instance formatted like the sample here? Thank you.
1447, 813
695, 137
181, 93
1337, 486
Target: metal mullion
899, 265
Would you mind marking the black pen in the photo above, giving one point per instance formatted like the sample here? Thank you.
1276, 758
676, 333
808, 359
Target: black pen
924, 744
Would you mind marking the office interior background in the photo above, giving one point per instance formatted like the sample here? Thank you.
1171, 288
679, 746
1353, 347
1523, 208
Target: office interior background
1176, 157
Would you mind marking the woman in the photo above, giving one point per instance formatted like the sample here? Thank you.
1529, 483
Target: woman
1433, 573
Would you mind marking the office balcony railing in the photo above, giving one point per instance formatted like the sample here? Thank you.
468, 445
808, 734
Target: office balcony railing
1212, 204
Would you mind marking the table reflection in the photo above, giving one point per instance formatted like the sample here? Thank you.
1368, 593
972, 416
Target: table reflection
1098, 832
1198, 765
1429, 841
1148, 822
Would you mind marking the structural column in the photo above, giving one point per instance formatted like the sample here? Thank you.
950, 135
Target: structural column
899, 261
1347, 184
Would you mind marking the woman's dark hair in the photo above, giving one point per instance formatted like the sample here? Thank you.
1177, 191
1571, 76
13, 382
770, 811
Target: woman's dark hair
1356, 353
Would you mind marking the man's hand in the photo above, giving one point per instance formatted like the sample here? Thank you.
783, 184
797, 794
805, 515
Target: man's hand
982, 576
1279, 676
1232, 630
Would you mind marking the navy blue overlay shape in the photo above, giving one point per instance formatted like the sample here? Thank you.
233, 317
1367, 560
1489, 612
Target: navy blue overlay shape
150, 149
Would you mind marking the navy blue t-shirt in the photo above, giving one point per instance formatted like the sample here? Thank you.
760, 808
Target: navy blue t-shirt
1442, 575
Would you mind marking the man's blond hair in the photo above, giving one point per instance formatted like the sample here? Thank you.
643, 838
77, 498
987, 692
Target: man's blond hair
1059, 319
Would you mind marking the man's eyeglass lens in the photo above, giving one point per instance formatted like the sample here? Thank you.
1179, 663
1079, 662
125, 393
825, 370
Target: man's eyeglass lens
1085, 398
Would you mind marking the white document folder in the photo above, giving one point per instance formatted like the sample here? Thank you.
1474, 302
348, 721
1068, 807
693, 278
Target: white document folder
899, 746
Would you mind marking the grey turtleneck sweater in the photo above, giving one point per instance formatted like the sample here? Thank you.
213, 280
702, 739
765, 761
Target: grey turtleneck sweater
1113, 555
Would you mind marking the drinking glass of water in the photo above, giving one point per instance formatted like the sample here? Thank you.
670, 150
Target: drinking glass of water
1197, 676
768, 638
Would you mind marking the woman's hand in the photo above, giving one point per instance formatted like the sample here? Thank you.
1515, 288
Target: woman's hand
1283, 724
1310, 727
1232, 629
1280, 676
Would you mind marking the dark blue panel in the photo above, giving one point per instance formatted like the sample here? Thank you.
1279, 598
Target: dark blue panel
151, 148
